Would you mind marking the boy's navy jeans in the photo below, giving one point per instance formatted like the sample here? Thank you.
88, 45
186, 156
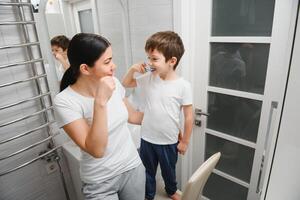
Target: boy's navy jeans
166, 156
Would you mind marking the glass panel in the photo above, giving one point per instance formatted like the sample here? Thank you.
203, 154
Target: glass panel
86, 21
242, 17
234, 116
236, 159
239, 66
219, 188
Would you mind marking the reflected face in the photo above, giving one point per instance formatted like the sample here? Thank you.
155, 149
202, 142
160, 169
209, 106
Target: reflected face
57, 50
104, 66
157, 61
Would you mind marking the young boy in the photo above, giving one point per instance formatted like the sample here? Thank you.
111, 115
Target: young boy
165, 96
59, 47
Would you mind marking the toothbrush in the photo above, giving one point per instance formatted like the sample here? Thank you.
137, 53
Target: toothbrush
148, 68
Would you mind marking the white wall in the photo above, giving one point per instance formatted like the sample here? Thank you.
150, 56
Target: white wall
56, 24
53, 6
284, 181
110, 22
147, 17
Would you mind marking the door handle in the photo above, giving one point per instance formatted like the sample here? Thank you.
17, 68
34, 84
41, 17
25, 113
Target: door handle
199, 113
264, 159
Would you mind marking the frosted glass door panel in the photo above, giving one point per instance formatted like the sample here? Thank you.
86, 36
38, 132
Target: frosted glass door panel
242, 17
236, 159
234, 116
218, 188
239, 66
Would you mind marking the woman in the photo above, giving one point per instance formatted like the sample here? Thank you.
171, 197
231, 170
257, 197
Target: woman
93, 111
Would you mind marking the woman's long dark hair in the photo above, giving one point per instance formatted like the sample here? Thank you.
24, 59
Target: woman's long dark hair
84, 48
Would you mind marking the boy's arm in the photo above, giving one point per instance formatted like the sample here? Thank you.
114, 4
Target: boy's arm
65, 64
188, 126
62, 60
128, 80
134, 116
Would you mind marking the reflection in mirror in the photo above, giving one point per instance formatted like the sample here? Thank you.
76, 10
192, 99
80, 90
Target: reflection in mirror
59, 49
239, 66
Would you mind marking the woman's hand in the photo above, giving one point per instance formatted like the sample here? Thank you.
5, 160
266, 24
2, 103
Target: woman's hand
106, 86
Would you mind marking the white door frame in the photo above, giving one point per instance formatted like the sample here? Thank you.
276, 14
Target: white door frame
183, 21
285, 15
286, 159
194, 21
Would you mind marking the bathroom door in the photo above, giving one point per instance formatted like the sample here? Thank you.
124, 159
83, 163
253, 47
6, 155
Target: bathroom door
242, 57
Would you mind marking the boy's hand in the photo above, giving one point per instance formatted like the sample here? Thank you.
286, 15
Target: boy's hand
139, 67
59, 56
180, 136
182, 147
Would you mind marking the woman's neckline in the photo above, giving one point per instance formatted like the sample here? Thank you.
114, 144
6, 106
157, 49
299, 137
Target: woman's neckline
79, 94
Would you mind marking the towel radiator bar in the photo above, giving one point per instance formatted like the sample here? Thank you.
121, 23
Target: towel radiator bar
40, 84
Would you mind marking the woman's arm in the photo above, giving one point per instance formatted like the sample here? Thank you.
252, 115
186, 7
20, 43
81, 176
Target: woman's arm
93, 139
134, 117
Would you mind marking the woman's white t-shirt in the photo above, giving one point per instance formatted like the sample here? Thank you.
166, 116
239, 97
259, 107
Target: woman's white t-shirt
121, 154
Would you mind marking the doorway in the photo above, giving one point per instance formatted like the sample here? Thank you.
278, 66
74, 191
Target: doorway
241, 64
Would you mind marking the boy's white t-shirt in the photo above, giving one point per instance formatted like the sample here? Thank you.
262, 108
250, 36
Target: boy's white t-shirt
121, 154
162, 105
60, 70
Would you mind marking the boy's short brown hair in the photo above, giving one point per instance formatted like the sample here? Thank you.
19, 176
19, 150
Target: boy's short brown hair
168, 43
60, 41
